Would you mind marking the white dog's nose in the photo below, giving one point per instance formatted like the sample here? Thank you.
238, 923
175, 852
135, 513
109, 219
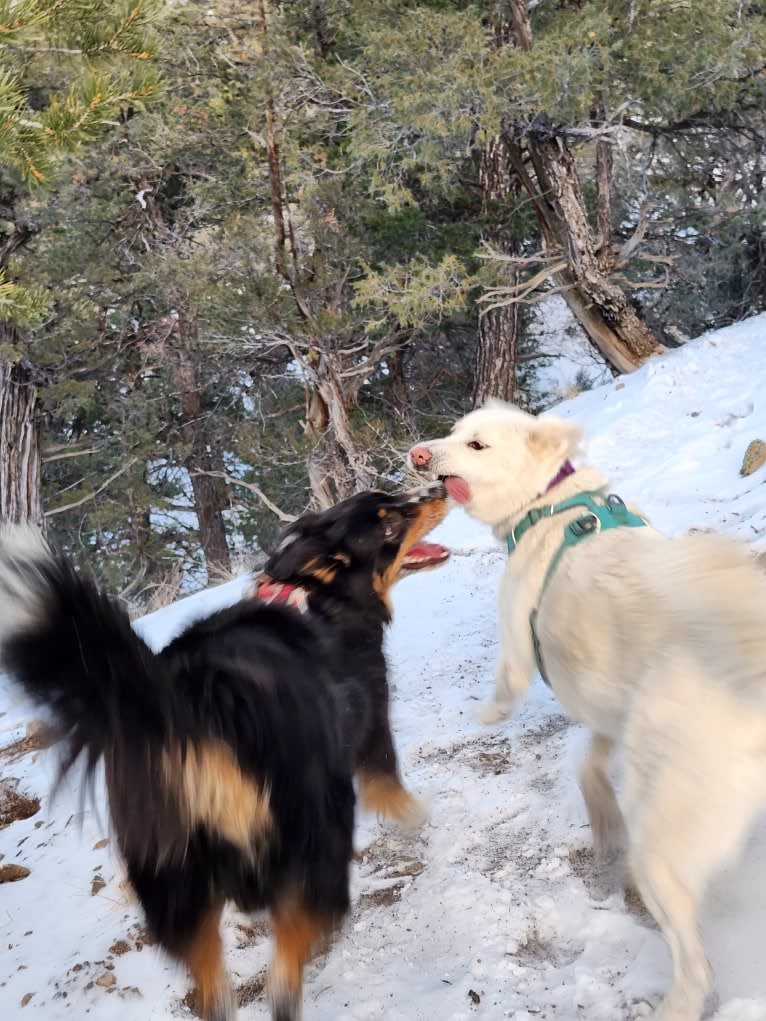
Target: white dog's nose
420, 457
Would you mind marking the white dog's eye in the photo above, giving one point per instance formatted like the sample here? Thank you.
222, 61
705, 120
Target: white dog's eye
477, 445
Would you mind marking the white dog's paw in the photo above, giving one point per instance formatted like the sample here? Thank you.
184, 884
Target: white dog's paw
712, 1005
671, 1009
493, 712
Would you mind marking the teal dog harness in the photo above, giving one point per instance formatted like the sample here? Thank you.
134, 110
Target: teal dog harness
602, 512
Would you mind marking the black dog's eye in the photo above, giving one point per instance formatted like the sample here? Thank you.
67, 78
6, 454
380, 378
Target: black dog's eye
392, 523
476, 445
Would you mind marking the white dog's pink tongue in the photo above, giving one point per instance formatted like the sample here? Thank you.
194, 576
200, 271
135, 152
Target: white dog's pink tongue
457, 488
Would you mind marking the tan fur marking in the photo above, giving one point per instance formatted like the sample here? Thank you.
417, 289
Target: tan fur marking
381, 590
204, 959
216, 793
427, 518
320, 571
385, 795
297, 935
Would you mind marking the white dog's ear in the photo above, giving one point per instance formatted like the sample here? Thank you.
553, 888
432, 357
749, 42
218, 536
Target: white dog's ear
495, 404
554, 438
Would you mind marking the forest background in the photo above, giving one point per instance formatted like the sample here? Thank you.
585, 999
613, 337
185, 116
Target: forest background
249, 251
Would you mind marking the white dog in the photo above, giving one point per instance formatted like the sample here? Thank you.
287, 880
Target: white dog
657, 644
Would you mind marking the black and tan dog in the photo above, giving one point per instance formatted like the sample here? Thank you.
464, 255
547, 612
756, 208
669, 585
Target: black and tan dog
319, 568
229, 756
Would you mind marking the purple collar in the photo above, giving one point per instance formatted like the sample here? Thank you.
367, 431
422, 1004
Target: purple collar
564, 471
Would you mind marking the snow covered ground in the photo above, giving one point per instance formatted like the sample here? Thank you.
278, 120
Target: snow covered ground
489, 911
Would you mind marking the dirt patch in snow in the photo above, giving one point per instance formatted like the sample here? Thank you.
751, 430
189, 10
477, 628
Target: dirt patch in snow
596, 877
14, 805
247, 992
492, 755
252, 933
37, 738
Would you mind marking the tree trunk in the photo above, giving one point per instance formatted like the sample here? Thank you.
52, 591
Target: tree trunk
20, 448
604, 171
397, 392
336, 468
600, 306
497, 343
20, 453
209, 492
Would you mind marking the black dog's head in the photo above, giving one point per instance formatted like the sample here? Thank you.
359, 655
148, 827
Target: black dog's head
362, 545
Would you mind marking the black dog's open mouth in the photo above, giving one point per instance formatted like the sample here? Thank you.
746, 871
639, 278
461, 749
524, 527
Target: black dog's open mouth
423, 555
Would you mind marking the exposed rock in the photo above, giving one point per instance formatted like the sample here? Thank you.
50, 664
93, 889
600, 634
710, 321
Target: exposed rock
11, 873
755, 457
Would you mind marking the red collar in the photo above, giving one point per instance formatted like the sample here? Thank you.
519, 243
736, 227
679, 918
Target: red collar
270, 591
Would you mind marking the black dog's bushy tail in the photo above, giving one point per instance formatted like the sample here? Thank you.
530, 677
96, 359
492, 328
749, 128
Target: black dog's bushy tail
73, 649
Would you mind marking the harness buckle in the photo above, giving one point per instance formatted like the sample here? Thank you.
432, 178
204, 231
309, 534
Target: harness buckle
585, 525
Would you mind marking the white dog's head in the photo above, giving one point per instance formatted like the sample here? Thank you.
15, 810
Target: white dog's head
498, 459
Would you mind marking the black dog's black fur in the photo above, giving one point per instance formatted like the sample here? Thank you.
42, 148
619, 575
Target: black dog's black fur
230, 754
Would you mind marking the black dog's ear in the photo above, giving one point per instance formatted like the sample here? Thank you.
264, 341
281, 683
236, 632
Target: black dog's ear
304, 554
361, 536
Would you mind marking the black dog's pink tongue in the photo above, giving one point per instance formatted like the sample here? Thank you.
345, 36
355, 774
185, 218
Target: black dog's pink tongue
426, 551
457, 488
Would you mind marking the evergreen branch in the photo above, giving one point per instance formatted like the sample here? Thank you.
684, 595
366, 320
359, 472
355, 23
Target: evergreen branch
90, 496
37, 17
25, 306
21, 235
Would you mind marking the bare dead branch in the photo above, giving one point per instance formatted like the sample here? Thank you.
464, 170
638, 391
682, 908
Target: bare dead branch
53, 455
648, 285
535, 298
232, 480
518, 292
536, 258
636, 238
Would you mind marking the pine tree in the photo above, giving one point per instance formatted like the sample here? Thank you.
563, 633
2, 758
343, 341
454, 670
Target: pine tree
263, 284
580, 80
70, 68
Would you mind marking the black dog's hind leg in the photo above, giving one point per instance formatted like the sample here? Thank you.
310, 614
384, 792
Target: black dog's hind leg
204, 958
298, 932
184, 915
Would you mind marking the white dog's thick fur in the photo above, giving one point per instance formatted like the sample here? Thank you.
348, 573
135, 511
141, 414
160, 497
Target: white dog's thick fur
655, 644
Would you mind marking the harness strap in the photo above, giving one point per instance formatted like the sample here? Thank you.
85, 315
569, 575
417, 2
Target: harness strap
603, 512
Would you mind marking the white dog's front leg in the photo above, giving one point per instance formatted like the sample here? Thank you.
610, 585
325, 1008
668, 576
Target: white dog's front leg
511, 685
